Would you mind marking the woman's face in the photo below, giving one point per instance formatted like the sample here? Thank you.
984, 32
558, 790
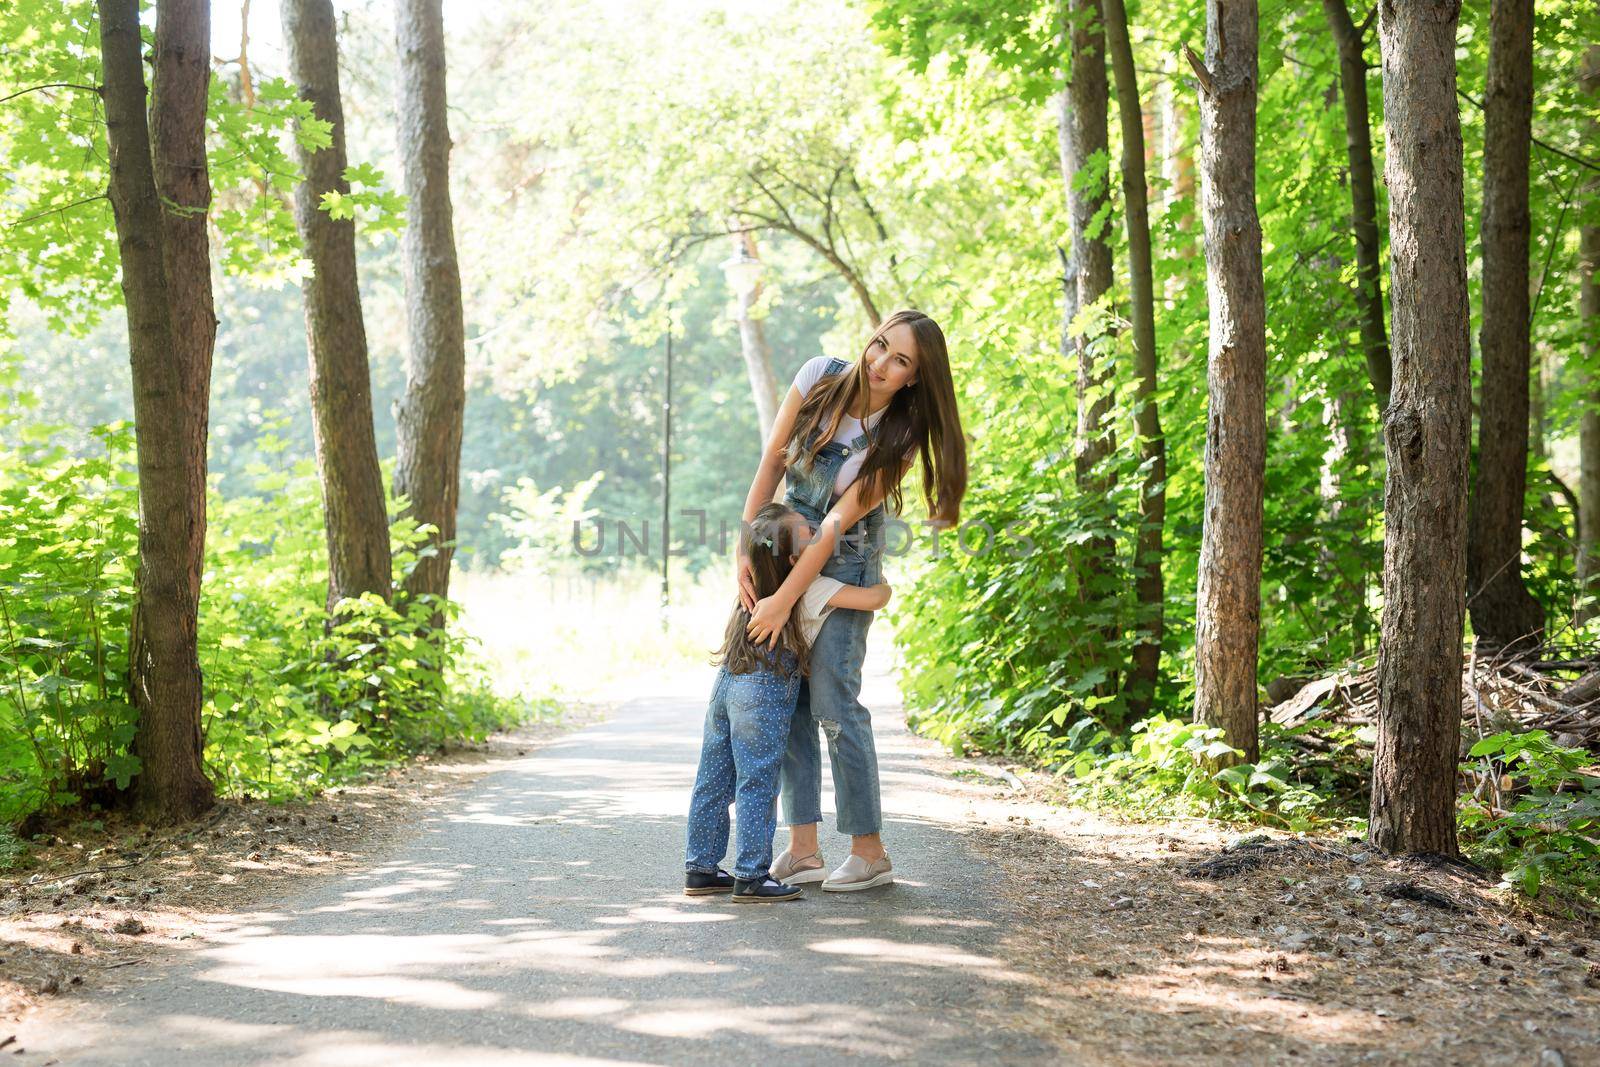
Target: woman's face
891, 362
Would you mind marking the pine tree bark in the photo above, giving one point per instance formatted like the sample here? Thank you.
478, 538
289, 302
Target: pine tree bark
353, 500
1148, 586
753, 345
1228, 608
1589, 424
1363, 195
166, 287
1504, 613
430, 415
1427, 430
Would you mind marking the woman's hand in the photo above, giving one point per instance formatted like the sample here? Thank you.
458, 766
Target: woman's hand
746, 580
767, 621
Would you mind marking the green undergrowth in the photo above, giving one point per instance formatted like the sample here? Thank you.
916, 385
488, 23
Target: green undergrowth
1533, 816
292, 704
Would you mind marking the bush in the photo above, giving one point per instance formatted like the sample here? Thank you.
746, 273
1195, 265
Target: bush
293, 701
1547, 835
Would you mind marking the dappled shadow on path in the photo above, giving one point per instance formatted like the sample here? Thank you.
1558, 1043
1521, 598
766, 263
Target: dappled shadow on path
539, 918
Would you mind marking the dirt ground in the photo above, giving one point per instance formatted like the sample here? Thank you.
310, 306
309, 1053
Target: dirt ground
1182, 941
124, 895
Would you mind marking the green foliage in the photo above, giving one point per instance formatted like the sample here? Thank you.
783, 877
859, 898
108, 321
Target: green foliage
1550, 834
1022, 655
541, 524
68, 531
1166, 766
293, 702
380, 210
13, 850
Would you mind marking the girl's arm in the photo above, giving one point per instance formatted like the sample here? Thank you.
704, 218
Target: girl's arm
862, 597
770, 613
763, 487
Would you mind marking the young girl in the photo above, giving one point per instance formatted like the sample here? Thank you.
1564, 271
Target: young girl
752, 704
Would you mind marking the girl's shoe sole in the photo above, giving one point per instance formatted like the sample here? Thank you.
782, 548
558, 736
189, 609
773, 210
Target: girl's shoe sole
765, 900
711, 892
886, 878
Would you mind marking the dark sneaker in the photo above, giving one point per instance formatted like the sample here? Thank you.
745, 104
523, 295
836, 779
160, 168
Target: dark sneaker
763, 891
700, 884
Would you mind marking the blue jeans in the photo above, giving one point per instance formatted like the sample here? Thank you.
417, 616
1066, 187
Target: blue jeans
747, 727
830, 698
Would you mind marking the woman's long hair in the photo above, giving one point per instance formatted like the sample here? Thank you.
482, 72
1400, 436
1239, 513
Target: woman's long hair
921, 417
770, 542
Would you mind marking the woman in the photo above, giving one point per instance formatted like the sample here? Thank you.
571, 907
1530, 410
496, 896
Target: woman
843, 441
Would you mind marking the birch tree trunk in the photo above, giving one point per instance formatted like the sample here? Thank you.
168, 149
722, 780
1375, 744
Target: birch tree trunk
1148, 585
1228, 608
753, 345
166, 287
1504, 613
1363, 195
1427, 430
430, 415
353, 501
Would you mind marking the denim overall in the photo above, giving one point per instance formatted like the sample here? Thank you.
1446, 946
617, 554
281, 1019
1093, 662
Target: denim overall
830, 696
747, 727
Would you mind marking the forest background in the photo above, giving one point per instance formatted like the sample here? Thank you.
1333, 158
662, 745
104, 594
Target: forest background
609, 159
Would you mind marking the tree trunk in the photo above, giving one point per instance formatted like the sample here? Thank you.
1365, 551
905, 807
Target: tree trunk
1148, 586
357, 518
1589, 425
430, 416
1427, 432
1363, 194
166, 287
753, 345
1228, 608
1084, 135
1503, 611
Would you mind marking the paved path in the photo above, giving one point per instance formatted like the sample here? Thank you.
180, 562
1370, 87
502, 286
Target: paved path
537, 917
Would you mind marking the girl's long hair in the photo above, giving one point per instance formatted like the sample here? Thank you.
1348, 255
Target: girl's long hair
921, 417
770, 542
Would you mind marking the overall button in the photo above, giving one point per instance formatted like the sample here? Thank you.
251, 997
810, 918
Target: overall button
846, 452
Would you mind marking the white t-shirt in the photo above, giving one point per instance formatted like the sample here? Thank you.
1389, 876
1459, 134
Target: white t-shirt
852, 432
814, 607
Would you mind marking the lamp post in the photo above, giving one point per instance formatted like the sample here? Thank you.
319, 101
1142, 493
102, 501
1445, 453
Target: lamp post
666, 474
743, 272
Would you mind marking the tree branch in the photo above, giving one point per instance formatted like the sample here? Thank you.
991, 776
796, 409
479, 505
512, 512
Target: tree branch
57, 210
1200, 70
1579, 160
50, 85
1366, 23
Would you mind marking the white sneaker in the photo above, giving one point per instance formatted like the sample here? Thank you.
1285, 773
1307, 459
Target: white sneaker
793, 871
856, 873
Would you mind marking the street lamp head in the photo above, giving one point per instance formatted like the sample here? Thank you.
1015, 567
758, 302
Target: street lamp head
743, 272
